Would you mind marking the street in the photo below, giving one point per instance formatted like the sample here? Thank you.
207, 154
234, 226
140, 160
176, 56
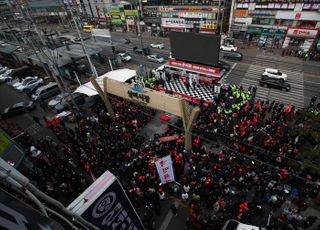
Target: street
302, 75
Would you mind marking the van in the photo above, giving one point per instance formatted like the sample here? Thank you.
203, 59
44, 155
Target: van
46, 91
87, 28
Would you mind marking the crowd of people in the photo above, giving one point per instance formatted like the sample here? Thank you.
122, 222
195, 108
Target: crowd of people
244, 180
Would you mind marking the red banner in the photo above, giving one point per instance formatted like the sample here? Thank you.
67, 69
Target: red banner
195, 67
169, 138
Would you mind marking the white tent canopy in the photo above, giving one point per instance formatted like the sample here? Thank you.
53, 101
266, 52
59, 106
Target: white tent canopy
121, 75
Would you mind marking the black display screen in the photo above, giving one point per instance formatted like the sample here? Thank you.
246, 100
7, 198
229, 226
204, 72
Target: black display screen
195, 47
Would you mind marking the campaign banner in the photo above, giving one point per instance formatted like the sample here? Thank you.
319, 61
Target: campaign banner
195, 67
106, 205
169, 138
165, 169
15, 214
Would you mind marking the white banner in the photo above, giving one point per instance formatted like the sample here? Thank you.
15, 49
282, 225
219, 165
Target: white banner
165, 169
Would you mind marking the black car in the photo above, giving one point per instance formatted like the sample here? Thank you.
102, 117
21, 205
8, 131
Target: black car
29, 91
275, 83
224, 65
18, 108
127, 41
63, 105
145, 50
233, 56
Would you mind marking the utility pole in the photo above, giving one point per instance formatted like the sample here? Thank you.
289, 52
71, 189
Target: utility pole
231, 17
222, 18
93, 69
218, 16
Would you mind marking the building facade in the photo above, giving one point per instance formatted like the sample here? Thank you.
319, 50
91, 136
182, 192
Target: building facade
5, 10
277, 24
177, 15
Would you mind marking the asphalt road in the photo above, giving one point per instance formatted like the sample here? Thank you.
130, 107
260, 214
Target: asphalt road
304, 76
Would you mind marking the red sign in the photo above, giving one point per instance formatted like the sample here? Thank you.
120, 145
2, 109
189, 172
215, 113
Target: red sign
194, 67
169, 138
297, 16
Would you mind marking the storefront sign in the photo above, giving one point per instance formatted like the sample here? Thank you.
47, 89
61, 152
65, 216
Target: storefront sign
302, 32
165, 169
267, 1
304, 15
180, 8
208, 26
174, 23
262, 14
116, 21
131, 13
194, 67
240, 13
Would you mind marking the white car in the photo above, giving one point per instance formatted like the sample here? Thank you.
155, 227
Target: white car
236, 225
30, 84
5, 78
228, 48
3, 70
155, 58
23, 81
274, 73
125, 57
158, 45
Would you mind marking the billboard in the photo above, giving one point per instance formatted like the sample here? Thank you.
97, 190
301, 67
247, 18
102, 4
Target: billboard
17, 215
195, 47
106, 205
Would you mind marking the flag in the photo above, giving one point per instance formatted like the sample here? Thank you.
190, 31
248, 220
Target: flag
165, 169
287, 109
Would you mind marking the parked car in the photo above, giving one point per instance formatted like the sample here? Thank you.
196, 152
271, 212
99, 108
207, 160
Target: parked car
18, 108
5, 78
78, 98
158, 45
52, 103
233, 56
125, 57
3, 70
228, 48
30, 84
236, 225
223, 65
23, 81
79, 66
145, 50
46, 91
31, 90
274, 73
155, 58
275, 83
121, 52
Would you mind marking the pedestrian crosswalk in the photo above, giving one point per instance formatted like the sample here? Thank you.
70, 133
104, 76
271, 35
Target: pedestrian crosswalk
294, 97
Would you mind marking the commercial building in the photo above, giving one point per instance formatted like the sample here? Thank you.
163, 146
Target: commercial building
5, 8
279, 24
188, 16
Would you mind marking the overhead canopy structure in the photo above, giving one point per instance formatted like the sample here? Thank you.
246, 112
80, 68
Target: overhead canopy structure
8, 48
121, 75
64, 55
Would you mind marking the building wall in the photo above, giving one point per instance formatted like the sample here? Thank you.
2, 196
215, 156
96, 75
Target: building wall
271, 23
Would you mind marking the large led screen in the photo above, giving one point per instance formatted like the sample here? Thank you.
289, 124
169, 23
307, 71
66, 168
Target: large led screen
195, 47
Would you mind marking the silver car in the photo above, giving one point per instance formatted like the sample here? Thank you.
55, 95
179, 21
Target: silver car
155, 58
